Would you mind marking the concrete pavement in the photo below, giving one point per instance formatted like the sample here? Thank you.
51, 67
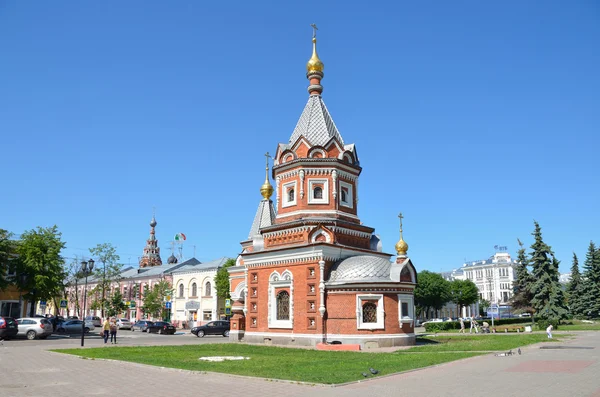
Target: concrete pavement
28, 369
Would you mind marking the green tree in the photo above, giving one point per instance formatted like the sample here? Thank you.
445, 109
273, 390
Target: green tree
154, 299
548, 298
574, 289
107, 270
484, 304
41, 264
7, 256
115, 304
521, 299
591, 282
463, 293
222, 279
432, 291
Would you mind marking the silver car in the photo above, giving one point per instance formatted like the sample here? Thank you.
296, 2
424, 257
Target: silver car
123, 323
34, 328
74, 327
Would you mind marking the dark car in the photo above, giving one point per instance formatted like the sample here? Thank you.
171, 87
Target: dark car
212, 328
161, 327
8, 327
142, 325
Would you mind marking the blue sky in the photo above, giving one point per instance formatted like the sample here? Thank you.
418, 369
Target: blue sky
472, 118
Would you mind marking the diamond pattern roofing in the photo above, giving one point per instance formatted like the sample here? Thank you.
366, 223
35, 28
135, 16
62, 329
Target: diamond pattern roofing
265, 216
362, 268
316, 124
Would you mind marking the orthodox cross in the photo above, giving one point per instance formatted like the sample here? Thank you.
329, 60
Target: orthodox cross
267, 156
400, 216
315, 28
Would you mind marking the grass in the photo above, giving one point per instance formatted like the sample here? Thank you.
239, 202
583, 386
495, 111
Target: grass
328, 367
579, 326
479, 342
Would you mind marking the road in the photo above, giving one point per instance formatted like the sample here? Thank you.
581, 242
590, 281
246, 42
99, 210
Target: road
27, 368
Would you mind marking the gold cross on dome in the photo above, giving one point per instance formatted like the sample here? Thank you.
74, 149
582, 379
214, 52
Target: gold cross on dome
315, 28
267, 156
400, 216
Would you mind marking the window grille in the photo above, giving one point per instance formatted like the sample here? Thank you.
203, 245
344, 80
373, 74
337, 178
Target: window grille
369, 313
283, 306
318, 193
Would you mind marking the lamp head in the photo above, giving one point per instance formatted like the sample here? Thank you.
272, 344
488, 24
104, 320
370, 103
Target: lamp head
91, 264
83, 266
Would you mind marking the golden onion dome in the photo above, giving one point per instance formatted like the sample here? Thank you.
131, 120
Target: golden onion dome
314, 64
266, 190
401, 247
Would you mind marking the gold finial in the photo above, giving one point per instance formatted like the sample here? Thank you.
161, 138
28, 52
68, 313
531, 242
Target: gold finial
401, 246
266, 189
314, 64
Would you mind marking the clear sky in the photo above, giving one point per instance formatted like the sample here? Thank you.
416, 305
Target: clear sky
472, 118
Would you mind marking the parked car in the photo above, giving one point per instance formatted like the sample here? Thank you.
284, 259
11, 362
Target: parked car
74, 327
34, 328
212, 328
123, 323
8, 327
161, 327
142, 325
434, 320
94, 320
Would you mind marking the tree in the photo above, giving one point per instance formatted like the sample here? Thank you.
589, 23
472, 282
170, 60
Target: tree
591, 282
7, 255
484, 304
110, 270
41, 264
574, 289
154, 298
432, 291
115, 304
222, 279
463, 293
521, 287
548, 298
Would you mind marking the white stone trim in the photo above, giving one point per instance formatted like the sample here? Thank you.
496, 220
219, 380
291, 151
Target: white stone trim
284, 193
285, 280
301, 184
318, 150
318, 212
349, 197
320, 233
288, 231
239, 290
406, 317
311, 187
351, 232
329, 336
289, 174
364, 298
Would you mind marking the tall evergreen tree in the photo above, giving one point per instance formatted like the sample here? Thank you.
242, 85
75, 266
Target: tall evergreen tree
591, 282
521, 287
548, 298
574, 289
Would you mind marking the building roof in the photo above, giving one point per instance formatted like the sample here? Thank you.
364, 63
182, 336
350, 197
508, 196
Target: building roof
265, 216
316, 124
201, 266
362, 268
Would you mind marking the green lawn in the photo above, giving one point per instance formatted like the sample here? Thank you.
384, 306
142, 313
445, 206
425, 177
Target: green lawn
579, 326
328, 367
479, 342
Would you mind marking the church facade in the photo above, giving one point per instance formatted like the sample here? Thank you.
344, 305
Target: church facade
310, 272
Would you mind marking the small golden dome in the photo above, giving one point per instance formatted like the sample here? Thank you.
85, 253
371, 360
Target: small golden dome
266, 190
401, 247
314, 64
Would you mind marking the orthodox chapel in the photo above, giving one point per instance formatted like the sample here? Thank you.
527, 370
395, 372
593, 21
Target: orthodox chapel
310, 272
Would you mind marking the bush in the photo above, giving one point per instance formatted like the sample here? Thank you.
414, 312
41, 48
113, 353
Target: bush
448, 325
542, 324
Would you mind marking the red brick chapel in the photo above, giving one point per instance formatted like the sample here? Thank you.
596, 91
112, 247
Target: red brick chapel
310, 272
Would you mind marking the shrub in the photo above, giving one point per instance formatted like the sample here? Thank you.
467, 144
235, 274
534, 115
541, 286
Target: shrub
542, 324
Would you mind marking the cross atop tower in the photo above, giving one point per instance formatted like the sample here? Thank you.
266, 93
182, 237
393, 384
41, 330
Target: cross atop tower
400, 216
315, 28
268, 156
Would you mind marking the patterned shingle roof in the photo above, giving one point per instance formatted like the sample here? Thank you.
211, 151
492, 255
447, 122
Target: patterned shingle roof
362, 268
265, 216
316, 124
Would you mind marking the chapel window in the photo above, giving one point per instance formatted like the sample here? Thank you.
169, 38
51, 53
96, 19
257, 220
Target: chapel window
283, 306
344, 195
369, 314
318, 192
291, 195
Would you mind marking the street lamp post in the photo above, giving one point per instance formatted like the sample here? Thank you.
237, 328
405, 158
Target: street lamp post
86, 269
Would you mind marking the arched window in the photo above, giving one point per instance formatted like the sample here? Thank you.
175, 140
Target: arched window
318, 192
181, 290
194, 290
369, 313
291, 195
344, 195
283, 306
207, 291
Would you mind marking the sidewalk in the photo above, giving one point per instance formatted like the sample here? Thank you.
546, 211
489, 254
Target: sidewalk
27, 370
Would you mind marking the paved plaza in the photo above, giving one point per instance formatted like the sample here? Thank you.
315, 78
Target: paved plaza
27, 368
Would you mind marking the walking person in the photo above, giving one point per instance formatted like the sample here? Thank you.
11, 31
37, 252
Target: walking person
106, 329
549, 331
113, 331
462, 326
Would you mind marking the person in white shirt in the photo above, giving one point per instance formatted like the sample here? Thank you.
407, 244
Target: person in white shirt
549, 331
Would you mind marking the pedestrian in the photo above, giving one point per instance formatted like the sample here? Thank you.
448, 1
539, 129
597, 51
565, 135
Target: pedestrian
106, 329
462, 327
113, 331
549, 331
473, 325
